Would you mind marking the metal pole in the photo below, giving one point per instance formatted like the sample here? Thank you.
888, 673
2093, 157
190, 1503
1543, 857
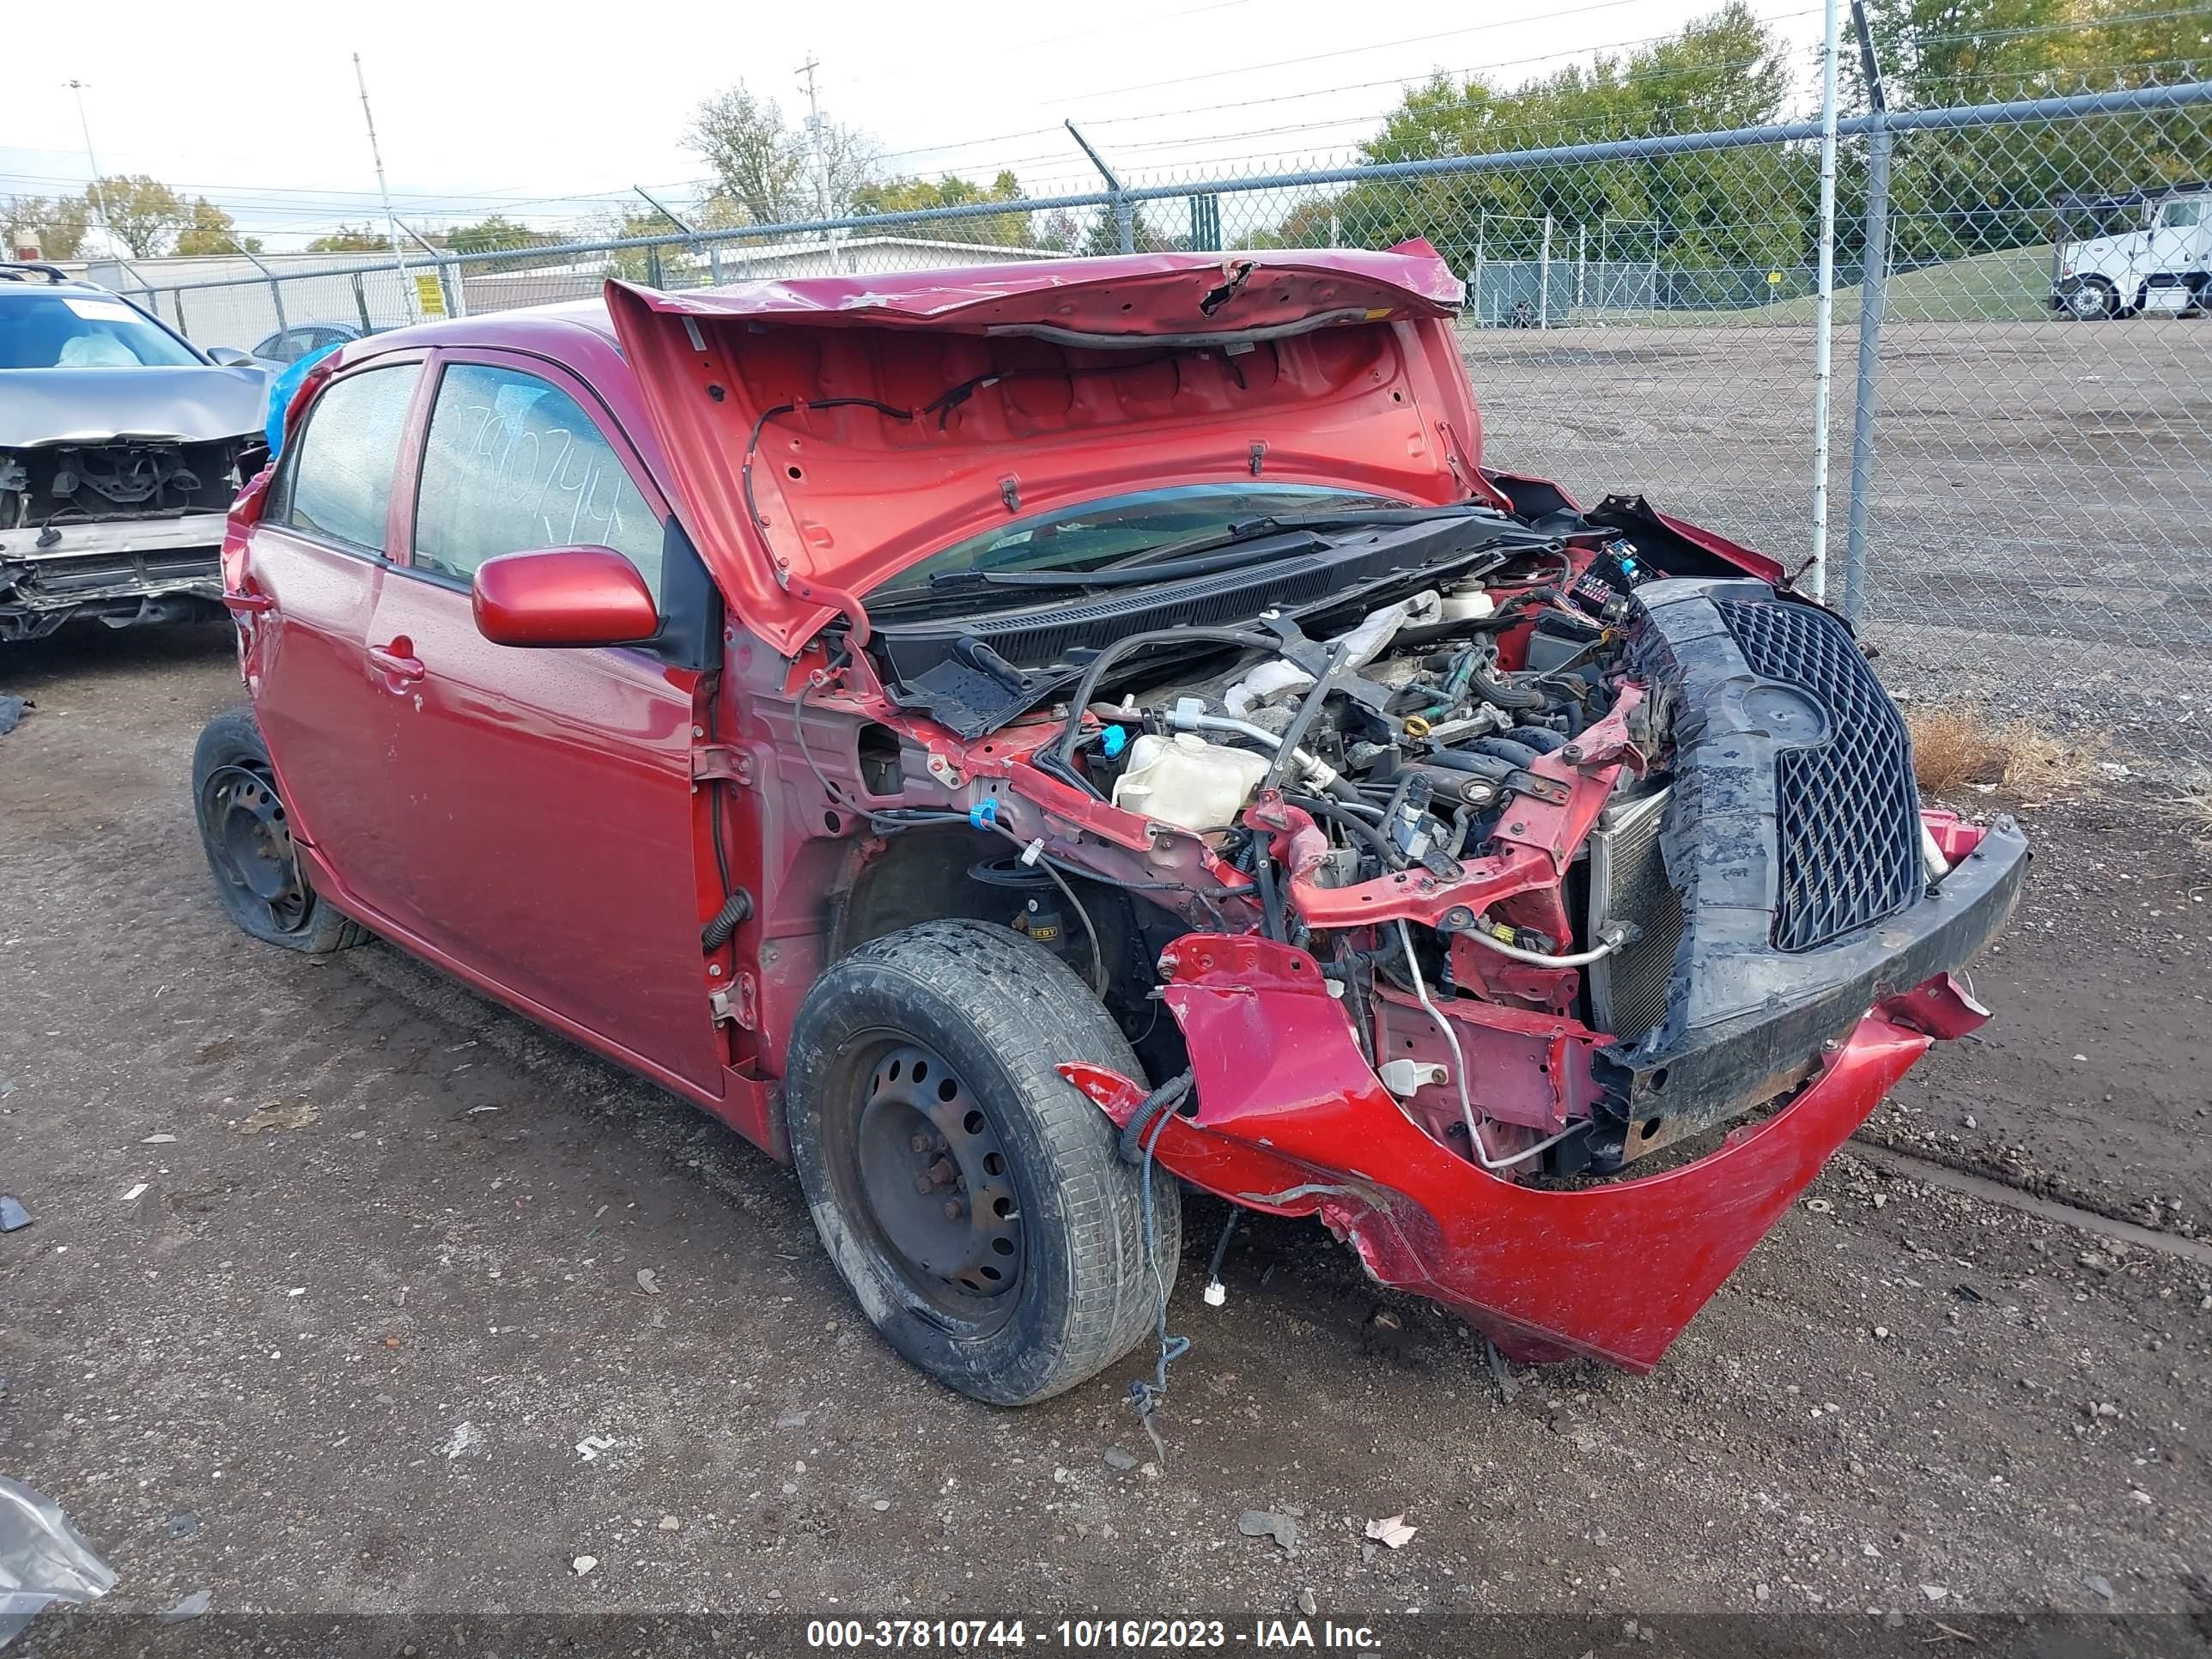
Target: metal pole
1481, 226
1125, 211
390, 224
1544, 278
276, 288
1824, 310
99, 196
1582, 264
1874, 279
821, 155
691, 232
449, 276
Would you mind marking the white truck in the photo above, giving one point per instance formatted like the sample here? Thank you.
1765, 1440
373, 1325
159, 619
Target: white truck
2152, 252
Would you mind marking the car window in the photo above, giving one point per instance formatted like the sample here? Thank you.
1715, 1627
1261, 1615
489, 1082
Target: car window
339, 483
271, 349
512, 464
2179, 215
84, 331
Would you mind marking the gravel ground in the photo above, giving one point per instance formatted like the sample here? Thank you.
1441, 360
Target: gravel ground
347, 1293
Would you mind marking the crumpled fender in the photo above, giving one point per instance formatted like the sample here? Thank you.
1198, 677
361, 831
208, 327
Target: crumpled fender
1291, 1121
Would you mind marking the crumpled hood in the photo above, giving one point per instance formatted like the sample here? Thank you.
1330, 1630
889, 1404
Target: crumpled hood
187, 404
825, 433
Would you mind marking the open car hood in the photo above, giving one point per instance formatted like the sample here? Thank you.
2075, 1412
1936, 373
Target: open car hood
825, 433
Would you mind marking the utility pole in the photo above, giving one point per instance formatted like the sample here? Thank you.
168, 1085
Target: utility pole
390, 221
99, 196
821, 142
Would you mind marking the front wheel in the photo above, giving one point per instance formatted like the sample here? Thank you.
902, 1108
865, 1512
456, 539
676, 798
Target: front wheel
247, 835
972, 1199
2092, 300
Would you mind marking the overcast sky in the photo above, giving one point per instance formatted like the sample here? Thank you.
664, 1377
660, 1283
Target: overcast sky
536, 110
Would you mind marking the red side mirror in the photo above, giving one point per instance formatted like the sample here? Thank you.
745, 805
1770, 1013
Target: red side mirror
562, 596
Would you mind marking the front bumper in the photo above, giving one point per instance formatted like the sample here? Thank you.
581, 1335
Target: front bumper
121, 571
1291, 1122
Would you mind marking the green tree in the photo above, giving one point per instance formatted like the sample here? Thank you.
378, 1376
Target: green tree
352, 239
497, 234
1728, 210
56, 225
903, 196
209, 229
143, 213
669, 264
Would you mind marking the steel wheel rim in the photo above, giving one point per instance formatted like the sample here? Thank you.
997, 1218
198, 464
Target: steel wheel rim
930, 1167
250, 843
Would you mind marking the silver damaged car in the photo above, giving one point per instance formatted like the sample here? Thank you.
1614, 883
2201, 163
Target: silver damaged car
122, 445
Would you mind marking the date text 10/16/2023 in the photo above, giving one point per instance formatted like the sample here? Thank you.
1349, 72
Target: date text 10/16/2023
1084, 1635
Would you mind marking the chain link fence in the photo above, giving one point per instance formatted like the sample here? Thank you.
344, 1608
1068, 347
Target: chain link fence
2021, 473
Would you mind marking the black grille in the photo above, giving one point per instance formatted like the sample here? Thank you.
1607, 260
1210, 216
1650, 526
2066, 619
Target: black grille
1848, 815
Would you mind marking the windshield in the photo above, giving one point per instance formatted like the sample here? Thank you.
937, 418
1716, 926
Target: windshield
1097, 532
83, 331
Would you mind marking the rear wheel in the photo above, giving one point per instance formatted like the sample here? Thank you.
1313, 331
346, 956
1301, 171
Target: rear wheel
248, 838
972, 1199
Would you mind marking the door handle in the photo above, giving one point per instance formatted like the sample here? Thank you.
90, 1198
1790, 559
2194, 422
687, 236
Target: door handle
394, 660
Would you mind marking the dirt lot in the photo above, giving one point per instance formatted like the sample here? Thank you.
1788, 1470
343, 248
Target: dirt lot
332, 1304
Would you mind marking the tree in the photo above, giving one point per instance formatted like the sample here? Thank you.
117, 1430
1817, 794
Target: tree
671, 265
56, 226
210, 230
767, 172
142, 212
903, 196
1728, 209
352, 239
1104, 235
493, 235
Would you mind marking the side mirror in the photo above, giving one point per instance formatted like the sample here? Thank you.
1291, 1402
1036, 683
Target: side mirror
232, 358
562, 596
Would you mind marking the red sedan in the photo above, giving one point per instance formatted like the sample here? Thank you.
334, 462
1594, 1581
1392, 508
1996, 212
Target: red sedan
1010, 741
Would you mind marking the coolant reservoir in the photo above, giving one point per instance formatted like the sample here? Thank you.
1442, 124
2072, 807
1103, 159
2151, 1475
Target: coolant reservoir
1467, 604
1185, 780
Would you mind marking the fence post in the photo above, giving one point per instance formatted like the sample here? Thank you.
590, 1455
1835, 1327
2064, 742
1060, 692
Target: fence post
1125, 211
1874, 279
1581, 265
1544, 278
1825, 312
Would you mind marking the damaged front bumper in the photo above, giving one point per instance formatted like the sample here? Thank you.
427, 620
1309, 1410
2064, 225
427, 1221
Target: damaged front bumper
1292, 1120
118, 571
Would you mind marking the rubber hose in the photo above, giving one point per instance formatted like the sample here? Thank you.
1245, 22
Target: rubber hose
1517, 754
1165, 1098
1495, 692
738, 907
1541, 738
1497, 770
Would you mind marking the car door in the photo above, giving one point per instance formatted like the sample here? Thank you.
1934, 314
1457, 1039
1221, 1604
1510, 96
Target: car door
546, 794
304, 590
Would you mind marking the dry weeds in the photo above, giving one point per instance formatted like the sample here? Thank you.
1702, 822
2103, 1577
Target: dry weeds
1960, 753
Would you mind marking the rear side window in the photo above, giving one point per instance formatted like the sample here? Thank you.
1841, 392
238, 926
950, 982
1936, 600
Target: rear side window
514, 465
339, 486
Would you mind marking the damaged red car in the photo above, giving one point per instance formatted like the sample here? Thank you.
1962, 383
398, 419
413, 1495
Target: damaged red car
1011, 740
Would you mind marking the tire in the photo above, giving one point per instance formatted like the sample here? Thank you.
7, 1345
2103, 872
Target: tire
929, 1056
258, 878
2092, 299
